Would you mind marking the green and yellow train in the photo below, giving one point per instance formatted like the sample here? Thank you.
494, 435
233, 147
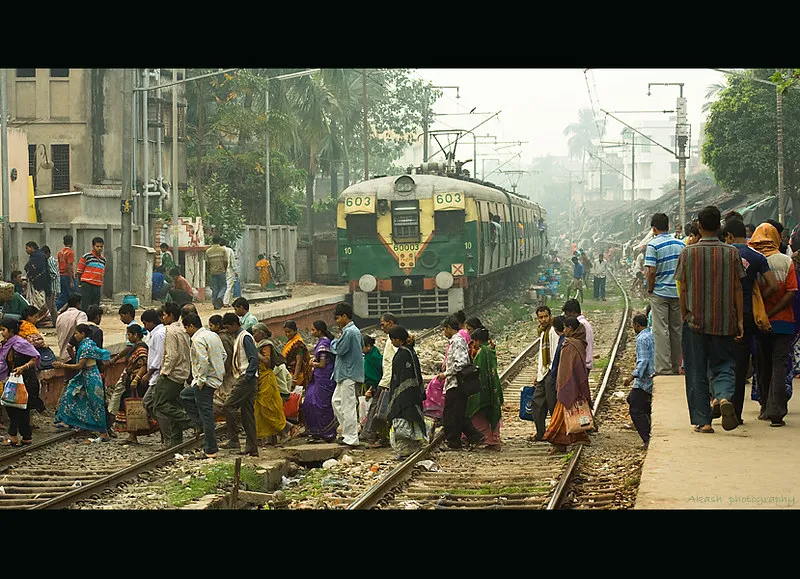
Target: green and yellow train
431, 243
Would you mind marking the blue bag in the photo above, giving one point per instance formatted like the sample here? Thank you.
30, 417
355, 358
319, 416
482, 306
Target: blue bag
526, 403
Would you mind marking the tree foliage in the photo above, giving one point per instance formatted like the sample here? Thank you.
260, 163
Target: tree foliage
741, 136
227, 219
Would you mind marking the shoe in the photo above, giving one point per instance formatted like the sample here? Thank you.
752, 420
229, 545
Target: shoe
248, 452
702, 430
716, 410
729, 420
777, 423
763, 415
230, 446
212, 455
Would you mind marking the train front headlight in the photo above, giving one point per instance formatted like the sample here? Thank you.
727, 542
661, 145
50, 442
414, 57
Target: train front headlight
367, 283
444, 280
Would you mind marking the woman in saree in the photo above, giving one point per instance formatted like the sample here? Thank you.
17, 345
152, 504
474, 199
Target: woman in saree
18, 357
408, 432
82, 403
268, 408
317, 408
485, 406
572, 384
28, 331
296, 353
135, 369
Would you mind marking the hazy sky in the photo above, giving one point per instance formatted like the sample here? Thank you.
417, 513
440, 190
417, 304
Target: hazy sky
537, 104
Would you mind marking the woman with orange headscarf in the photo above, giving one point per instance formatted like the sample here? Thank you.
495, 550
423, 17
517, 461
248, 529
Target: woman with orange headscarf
772, 349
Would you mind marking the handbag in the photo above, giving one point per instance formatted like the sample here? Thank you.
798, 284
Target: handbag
526, 403
759, 311
14, 394
468, 380
46, 358
284, 379
291, 408
578, 417
135, 415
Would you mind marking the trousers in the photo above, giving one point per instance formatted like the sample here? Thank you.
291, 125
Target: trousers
172, 418
600, 288
666, 334
345, 408
710, 367
773, 353
243, 398
640, 407
543, 401
454, 420
68, 286
743, 362
199, 405
217, 289
91, 295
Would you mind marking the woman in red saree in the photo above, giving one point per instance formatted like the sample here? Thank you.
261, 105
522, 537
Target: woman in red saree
572, 384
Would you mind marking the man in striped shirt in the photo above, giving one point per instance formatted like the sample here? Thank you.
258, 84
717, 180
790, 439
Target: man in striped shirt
660, 258
91, 269
711, 308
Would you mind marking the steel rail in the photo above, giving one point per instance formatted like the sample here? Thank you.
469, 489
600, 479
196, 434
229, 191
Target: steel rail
561, 487
8, 458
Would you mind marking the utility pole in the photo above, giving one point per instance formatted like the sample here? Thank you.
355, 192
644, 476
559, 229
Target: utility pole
175, 194
126, 196
633, 187
268, 215
4, 176
366, 126
781, 200
425, 124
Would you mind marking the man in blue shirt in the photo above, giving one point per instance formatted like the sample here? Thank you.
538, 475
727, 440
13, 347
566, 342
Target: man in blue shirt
660, 259
641, 396
577, 277
348, 370
754, 263
160, 285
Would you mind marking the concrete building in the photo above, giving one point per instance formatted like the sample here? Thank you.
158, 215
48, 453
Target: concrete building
20, 195
654, 166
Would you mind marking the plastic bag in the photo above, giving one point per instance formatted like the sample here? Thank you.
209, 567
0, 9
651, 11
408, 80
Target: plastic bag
363, 409
14, 394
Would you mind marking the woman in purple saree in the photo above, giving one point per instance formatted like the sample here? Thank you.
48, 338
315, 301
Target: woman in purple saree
317, 409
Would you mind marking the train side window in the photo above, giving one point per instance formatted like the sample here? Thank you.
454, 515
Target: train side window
449, 222
405, 220
359, 225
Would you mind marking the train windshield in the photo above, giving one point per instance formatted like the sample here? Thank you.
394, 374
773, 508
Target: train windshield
405, 220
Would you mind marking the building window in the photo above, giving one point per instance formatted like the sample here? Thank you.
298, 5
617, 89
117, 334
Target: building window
60, 158
643, 170
59, 73
405, 220
645, 148
32, 163
26, 72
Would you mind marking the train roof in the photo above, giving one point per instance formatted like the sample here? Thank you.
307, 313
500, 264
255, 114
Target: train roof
425, 186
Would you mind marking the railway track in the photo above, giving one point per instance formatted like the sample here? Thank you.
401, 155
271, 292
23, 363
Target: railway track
522, 476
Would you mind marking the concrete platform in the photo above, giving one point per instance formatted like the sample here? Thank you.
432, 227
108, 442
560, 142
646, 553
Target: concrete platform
752, 467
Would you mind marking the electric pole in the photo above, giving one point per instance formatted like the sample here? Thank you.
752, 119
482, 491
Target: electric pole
781, 201
425, 125
366, 126
4, 175
633, 187
175, 194
126, 196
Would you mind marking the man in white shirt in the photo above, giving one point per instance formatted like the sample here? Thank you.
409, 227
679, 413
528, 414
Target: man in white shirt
572, 309
155, 356
230, 274
454, 419
376, 431
544, 394
599, 271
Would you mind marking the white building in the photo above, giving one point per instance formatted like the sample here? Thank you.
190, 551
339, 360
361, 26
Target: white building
654, 166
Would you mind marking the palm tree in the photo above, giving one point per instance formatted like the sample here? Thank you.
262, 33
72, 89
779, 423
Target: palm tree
581, 135
712, 91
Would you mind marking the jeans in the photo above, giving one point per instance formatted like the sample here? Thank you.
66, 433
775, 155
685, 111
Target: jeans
218, 287
90, 294
743, 362
708, 360
68, 286
172, 418
199, 405
666, 334
19, 422
544, 400
243, 397
773, 352
640, 403
345, 409
600, 288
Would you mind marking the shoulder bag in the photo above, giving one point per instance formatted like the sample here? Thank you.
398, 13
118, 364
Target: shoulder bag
526, 403
468, 380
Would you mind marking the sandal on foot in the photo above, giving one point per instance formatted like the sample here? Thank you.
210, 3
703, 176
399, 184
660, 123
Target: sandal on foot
702, 430
9, 442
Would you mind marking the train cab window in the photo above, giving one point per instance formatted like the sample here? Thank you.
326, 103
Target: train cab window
449, 222
359, 225
405, 220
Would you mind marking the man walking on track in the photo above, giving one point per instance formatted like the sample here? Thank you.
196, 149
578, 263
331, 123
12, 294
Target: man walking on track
347, 371
661, 256
544, 394
711, 309
216, 268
